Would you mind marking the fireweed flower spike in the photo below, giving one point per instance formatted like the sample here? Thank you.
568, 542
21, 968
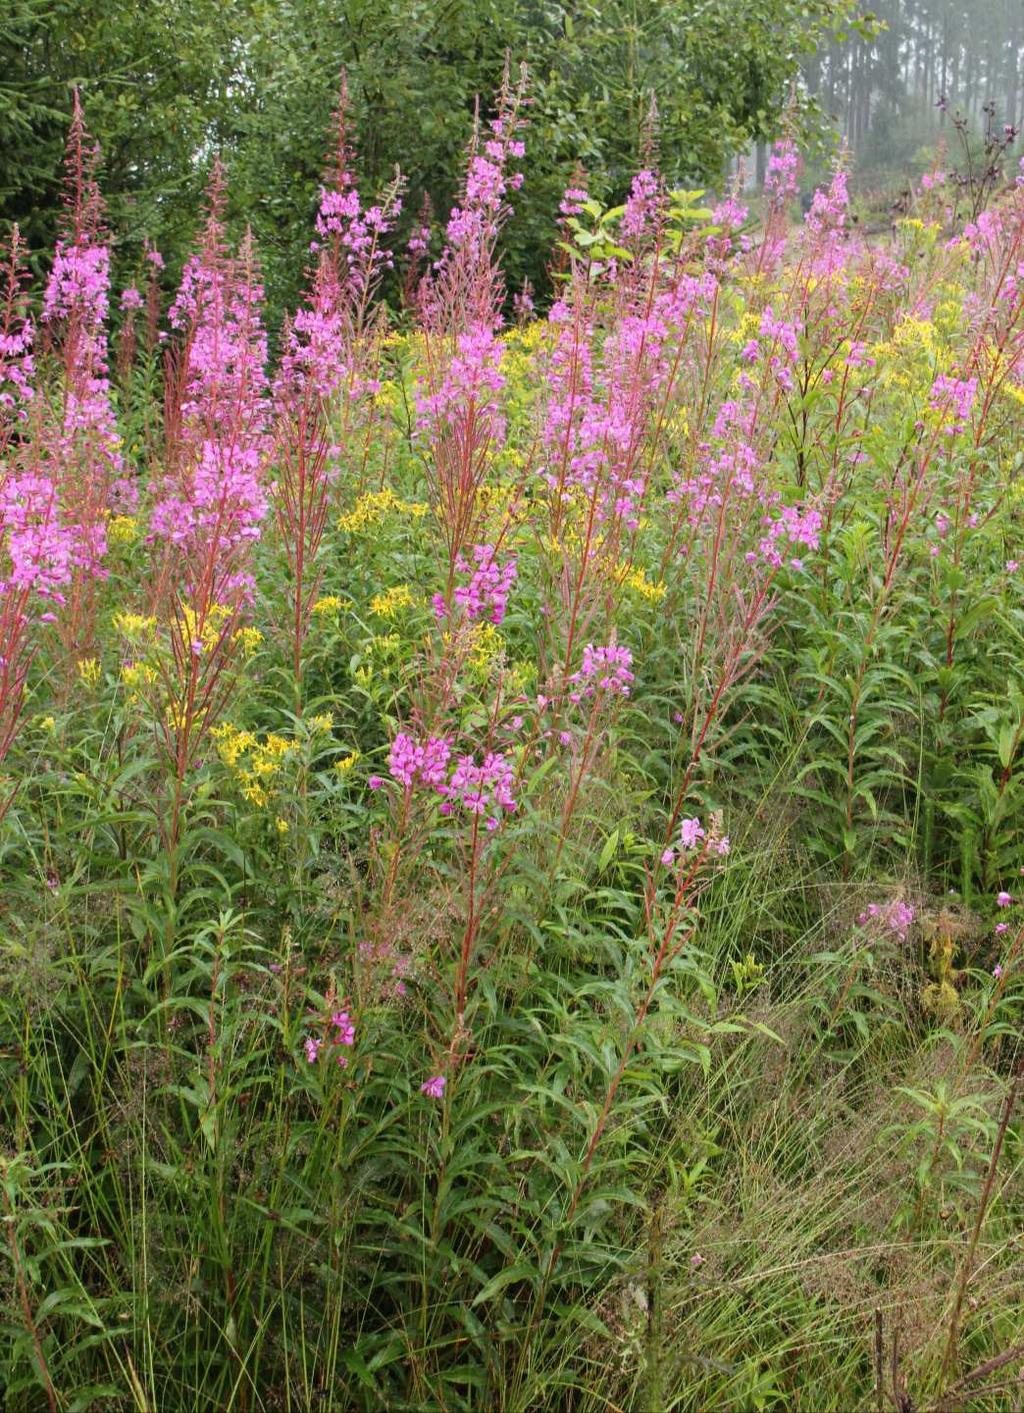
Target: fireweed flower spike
328, 369
433, 1087
40, 551
460, 420
212, 504
75, 308
17, 338
411, 762
605, 669
487, 592
895, 917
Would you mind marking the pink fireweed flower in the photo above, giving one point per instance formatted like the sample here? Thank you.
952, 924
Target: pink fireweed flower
954, 398
604, 669
213, 500
75, 306
42, 551
419, 240
321, 345
312, 1049
411, 762
780, 182
1003, 900
345, 1031
895, 917
474, 379
474, 222
692, 835
483, 789
573, 201
486, 594
729, 216
643, 205
522, 304
792, 526
1002, 927
825, 224
997, 972
433, 1087
17, 336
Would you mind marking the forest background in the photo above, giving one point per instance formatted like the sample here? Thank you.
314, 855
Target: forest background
167, 83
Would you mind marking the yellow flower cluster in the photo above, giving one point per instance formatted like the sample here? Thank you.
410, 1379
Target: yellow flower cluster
346, 763
328, 606
137, 677
385, 645
638, 583
88, 671
913, 357
521, 678
498, 499
122, 529
323, 722
253, 762
248, 639
486, 649
749, 327
391, 603
213, 626
134, 626
529, 336
388, 397
374, 507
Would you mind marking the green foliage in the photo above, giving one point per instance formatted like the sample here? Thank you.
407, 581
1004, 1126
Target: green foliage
165, 84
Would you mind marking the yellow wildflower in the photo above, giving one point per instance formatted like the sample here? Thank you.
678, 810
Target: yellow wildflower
209, 635
88, 671
122, 529
248, 639
392, 602
522, 677
487, 647
373, 507
134, 626
637, 581
137, 677
253, 762
329, 604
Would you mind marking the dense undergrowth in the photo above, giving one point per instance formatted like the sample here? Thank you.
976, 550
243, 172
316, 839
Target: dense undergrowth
512, 832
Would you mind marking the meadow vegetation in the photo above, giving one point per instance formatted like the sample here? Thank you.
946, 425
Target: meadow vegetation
512, 829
